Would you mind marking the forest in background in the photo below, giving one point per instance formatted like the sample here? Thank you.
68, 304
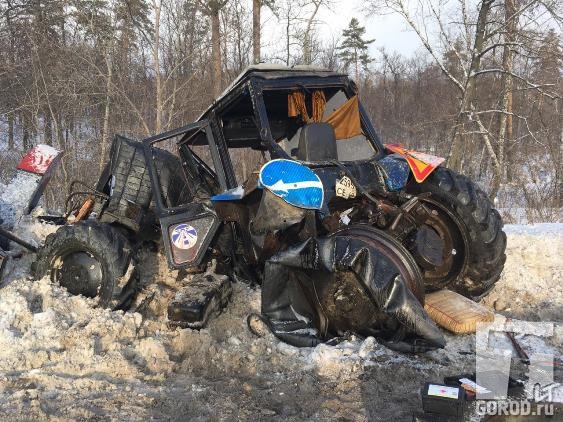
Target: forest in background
484, 90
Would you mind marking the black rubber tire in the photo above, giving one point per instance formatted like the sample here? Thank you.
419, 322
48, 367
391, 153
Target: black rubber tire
132, 183
479, 224
402, 257
107, 246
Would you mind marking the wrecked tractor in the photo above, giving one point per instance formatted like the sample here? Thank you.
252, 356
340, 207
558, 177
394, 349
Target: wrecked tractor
285, 183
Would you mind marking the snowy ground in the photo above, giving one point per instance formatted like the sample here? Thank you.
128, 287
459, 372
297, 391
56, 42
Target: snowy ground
63, 359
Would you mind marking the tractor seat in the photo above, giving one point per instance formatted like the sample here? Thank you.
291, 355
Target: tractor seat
317, 143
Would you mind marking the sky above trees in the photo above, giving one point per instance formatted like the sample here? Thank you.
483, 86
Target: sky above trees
389, 32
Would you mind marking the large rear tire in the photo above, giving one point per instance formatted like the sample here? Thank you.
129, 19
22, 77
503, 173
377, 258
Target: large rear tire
470, 230
345, 301
90, 259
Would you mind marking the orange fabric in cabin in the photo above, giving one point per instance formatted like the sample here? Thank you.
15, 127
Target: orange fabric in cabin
296, 105
346, 119
319, 104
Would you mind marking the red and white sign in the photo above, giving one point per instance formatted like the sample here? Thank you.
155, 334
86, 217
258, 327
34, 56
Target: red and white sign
38, 159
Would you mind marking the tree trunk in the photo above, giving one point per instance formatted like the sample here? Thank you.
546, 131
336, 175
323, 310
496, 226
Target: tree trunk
11, 143
156, 59
256, 6
287, 38
59, 130
105, 126
47, 129
559, 175
456, 155
307, 38
216, 51
505, 119
25, 127
357, 70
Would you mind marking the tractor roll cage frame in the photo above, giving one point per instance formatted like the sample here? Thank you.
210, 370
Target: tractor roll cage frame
219, 172
255, 86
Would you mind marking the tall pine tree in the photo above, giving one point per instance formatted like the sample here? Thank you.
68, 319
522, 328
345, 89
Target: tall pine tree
354, 48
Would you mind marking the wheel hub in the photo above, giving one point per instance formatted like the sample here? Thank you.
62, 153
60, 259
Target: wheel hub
80, 273
429, 247
437, 247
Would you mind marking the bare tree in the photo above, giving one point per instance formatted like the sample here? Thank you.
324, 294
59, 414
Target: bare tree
256, 25
212, 8
483, 35
505, 124
256, 31
310, 22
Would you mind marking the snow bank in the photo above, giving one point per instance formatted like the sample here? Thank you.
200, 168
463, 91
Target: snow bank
15, 196
543, 229
61, 357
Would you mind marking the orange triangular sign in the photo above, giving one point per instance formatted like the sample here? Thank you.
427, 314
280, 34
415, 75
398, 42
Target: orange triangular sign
421, 164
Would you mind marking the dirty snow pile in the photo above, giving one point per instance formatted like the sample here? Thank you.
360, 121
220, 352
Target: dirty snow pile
15, 197
63, 359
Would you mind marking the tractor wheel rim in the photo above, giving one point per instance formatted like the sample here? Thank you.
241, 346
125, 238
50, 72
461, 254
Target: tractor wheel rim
80, 273
439, 236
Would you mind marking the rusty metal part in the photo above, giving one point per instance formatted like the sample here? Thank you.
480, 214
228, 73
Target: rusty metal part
9, 235
72, 204
406, 220
84, 210
394, 252
521, 353
275, 214
437, 245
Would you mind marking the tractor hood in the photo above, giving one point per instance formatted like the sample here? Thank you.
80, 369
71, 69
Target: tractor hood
315, 185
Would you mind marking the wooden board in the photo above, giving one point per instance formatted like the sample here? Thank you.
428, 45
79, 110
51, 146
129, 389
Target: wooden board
455, 312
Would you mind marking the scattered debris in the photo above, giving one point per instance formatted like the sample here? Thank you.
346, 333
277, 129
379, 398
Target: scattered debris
443, 400
205, 295
12, 237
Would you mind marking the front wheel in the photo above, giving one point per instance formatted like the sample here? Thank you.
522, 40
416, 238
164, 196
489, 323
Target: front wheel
461, 246
90, 259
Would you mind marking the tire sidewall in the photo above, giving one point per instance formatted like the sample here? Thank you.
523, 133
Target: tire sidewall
106, 289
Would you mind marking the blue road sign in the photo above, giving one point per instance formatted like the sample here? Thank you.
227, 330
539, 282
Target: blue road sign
295, 183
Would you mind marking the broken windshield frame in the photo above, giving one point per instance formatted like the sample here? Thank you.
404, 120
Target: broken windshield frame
202, 125
258, 86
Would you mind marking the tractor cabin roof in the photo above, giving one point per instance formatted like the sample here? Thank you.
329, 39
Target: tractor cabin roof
271, 72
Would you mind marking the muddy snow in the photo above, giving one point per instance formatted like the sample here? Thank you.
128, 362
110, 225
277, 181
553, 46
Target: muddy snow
64, 359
